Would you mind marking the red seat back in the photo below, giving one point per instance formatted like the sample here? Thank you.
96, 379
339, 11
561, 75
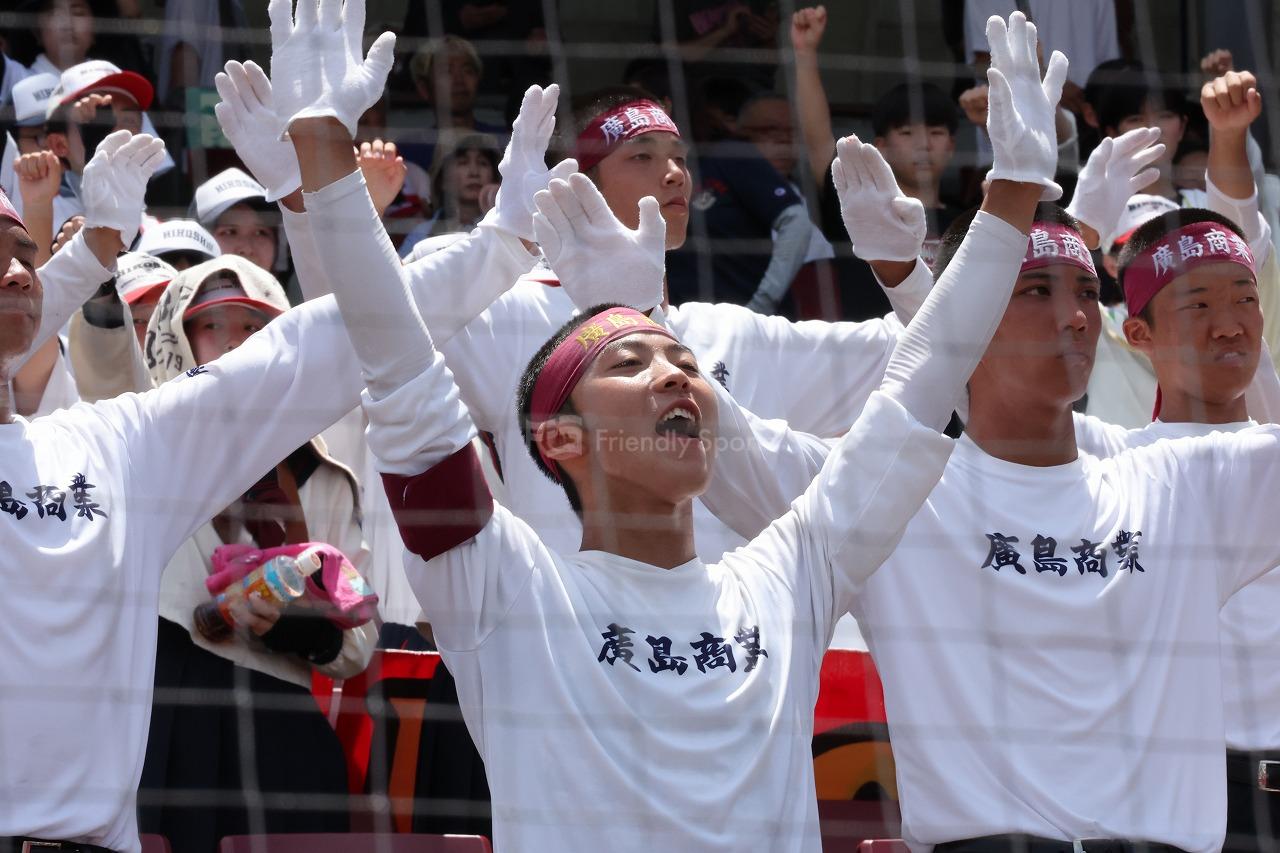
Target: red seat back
354, 842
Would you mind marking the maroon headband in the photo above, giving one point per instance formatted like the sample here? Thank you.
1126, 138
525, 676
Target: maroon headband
1177, 253
571, 359
611, 129
1052, 243
8, 211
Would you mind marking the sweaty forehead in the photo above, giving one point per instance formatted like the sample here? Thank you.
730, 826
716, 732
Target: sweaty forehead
1220, 274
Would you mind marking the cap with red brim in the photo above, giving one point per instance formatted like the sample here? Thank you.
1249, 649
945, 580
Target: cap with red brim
100, 76
226, 290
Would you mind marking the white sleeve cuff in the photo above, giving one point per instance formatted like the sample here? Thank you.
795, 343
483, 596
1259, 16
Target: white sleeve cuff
909, 294
419, 423
1243, 212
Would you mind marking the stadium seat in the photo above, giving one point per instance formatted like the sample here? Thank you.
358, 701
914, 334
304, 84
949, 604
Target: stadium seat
354, 842
884, 845
152, 843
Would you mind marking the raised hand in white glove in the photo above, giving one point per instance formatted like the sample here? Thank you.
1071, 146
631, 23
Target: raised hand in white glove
1020, 112
247, 116
523, 168
597, 258
115, 181
1112, 174
883, 224
316, 67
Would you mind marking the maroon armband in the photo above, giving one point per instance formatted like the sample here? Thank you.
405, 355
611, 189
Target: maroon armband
443, 506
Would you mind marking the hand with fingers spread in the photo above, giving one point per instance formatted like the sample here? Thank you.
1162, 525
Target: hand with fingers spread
597, 258
316, 64
384, 172
523, 165
883, 223
247, 116
1020, 116
1112, 174
115, 181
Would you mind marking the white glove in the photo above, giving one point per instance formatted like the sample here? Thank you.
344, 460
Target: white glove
315, 61
1020, 111
883, 224
1112, 175
523, 167
248, 119
115, 181
597, 258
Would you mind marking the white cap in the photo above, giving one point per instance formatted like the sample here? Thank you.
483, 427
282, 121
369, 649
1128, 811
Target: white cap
1139, 209
178, 235
138, 275
31, 97
98, 75
221, 191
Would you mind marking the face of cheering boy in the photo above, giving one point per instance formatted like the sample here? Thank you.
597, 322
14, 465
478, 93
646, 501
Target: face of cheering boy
1203, 334
21, 297
651, 164
647, 419
1043, 350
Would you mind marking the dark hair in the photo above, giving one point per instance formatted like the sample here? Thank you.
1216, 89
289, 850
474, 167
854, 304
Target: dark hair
480, 142
652, 75
524, 399
592, 105
1154, 230
1046, 211
587, 108
1118, 88
908, 103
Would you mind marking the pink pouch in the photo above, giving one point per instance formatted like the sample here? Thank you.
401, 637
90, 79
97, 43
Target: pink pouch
346, 597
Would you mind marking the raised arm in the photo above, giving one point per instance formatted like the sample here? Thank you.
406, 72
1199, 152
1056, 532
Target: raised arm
886, 226
852, 515
112, 189
465, 279
1231, 104
807, 27
418, 428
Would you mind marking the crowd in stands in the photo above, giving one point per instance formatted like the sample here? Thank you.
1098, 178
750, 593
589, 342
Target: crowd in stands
715, 186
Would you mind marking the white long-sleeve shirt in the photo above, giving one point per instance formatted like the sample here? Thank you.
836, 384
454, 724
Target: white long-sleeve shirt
816, 375
708, 750
93, 502
622, 706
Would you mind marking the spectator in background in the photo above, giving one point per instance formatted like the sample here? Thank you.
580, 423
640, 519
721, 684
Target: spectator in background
446, 75
182, 243
235, 210
62, 36
749, 229
1189, 164
230, 763
91, 100
1123, 95
653, 76
915, 130
463, 185
507, 21
703, 28
193, 45
915, 127
1085, 30
30, 104
65, 33
141, 280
